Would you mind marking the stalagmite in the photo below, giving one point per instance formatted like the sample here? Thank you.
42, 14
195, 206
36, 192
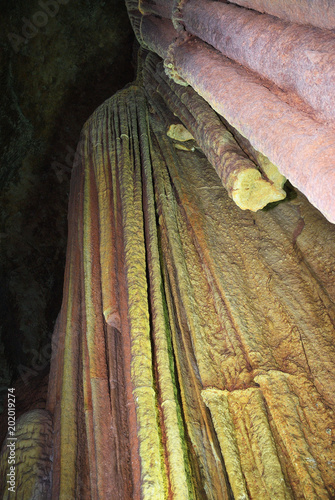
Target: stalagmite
26, 457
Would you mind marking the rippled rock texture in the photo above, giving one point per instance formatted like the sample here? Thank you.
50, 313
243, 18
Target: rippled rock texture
272, 80
194, 353
193, 356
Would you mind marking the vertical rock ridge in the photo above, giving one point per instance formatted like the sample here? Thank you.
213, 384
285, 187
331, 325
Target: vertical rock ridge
193, 355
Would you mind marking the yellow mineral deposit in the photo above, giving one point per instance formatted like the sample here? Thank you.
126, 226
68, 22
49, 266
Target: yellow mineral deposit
179, 132
252, 192
271, 171
193, 356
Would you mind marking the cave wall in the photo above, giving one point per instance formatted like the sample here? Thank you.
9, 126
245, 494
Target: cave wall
60, 60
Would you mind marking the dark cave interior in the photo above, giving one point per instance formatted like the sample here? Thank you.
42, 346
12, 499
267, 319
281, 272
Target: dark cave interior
59, 62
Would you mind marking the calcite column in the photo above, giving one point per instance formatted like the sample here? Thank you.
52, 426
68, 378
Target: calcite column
194, 351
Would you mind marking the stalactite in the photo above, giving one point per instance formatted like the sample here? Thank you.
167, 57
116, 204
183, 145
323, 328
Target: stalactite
319, 13
239, 175
296, 58
280, 125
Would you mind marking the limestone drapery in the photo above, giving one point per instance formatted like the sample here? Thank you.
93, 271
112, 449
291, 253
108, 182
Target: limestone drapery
194, 352
271, 80
206, 306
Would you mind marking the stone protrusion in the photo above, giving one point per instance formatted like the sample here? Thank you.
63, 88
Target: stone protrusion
285, 109
26, 458
238, 173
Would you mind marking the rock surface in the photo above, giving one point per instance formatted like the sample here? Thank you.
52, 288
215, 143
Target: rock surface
175, 301
193, 356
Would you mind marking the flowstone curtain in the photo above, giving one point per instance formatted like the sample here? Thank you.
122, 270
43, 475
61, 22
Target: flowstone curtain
194, 353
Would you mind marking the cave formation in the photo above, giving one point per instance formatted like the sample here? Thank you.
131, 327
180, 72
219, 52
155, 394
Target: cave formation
194, 353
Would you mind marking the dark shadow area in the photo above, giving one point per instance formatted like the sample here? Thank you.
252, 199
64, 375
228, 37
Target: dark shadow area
52, 81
